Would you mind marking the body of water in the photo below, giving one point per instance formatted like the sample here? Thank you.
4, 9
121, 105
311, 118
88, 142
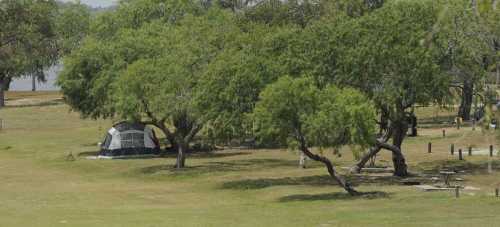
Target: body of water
96, 3
24, 83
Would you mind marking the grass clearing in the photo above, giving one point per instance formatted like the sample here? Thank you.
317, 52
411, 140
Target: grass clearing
231, 187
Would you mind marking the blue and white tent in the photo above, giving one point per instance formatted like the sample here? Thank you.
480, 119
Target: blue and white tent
126, 138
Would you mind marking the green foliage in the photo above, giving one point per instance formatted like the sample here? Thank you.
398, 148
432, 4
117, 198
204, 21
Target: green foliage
73, 24
28, 40
386, 55
279, 13
292, 109
230, 86
463, 43
134, 14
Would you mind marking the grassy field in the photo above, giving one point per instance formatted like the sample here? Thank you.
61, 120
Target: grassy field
225, 188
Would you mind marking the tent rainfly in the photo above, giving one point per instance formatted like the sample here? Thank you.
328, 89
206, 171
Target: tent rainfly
125, 139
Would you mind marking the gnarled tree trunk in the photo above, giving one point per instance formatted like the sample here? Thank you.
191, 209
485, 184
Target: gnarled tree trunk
466, 102
399, 130
329, 166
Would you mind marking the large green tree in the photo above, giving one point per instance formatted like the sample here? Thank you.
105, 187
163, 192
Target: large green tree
28, 39
464, 42
389, 57
385, 53
149, 72
297, 111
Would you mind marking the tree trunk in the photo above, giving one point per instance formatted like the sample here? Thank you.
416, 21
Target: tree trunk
181, 155
348, 187
33, 83
2, 92
6, 83
466, 103
399, 130
362, 162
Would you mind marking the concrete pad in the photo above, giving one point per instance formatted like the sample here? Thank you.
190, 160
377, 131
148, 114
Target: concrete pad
429, 188
478, 152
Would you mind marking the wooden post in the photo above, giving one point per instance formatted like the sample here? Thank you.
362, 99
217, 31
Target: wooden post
1, 124
473, 124
457, 191
491, 150
497, 192
444, 133
460, 157
302, 160
452, 149
429, 148
470, 151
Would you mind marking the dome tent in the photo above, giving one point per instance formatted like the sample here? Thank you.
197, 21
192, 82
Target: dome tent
129, 139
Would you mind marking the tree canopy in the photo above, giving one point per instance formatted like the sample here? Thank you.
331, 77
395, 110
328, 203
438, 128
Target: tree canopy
305, 116
230, 71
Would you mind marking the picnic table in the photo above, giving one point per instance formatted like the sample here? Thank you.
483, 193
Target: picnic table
446, 176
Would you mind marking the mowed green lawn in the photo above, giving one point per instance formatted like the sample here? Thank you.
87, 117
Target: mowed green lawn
227, 188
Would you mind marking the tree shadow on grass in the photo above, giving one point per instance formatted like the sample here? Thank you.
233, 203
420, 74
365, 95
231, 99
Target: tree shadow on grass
250, 184
434, 167
335, 196
88, 153
218, 167
203, 155
318, 180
